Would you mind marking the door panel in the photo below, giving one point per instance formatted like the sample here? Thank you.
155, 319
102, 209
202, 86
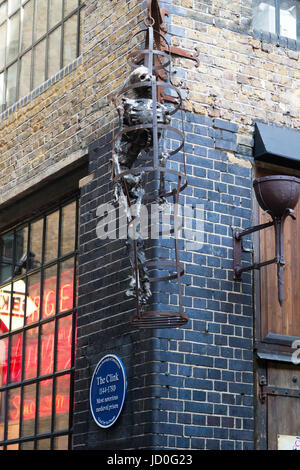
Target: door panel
283, 411
283, 419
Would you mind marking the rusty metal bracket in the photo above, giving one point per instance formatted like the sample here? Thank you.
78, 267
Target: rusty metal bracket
278, 224
277, 195
178, 51
158, 14
262, 384
266, 390
238, 248
164, 12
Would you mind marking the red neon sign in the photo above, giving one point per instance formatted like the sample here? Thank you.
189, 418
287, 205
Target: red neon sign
45, 406
63, 346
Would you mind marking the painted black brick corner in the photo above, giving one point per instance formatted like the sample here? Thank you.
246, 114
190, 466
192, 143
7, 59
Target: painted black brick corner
191, 387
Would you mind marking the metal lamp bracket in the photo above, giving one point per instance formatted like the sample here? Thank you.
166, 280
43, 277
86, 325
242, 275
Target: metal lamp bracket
238, 234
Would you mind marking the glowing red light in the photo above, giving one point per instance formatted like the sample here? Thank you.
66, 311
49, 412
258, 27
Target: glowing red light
63, 351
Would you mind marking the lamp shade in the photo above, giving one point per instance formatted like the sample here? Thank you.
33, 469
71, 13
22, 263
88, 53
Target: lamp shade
277, 193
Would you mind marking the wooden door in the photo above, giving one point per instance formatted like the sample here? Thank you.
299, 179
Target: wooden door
281, 395
284, 402
277, 332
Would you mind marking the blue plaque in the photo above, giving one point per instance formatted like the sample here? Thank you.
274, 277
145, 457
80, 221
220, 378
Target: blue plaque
108, 390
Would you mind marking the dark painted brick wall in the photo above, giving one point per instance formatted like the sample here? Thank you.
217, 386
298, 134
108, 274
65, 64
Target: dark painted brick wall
191, 387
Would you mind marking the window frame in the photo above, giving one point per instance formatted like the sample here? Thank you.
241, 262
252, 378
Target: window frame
34, 44
21, 384
277, 24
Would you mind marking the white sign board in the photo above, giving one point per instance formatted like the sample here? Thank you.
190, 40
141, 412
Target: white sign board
288, 442
18, 307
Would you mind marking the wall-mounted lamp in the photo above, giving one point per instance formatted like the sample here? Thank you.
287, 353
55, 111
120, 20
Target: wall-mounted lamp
278, 196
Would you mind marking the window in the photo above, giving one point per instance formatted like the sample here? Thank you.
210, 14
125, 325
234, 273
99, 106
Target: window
37, 39
38, 297
280, 17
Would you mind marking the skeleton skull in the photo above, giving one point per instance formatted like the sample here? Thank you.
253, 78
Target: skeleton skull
139, 75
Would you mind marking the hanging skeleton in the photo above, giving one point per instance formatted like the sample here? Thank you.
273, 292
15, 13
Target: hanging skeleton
136, 109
